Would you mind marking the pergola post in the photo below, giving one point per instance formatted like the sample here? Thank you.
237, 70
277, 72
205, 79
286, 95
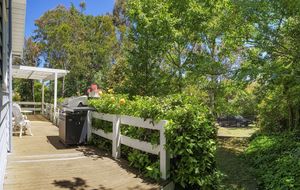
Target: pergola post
55, 97
43, 96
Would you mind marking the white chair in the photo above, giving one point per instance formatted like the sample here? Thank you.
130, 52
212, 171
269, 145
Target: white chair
20, 121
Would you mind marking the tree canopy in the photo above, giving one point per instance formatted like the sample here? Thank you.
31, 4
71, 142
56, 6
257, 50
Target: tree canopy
240, 57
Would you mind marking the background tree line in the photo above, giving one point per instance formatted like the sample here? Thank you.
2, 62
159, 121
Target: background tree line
239, 57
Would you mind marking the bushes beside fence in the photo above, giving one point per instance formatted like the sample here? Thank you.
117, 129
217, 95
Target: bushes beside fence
190, 136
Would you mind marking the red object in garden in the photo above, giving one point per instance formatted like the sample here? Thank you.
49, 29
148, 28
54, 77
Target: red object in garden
93, 91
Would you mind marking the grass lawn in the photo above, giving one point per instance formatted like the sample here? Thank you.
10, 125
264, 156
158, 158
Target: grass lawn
231, 164
242, 132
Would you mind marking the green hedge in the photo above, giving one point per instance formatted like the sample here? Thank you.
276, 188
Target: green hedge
190, 136
276, 161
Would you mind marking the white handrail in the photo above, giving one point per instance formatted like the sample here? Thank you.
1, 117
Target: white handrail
118, 139
48, 111
29, 103
31, 106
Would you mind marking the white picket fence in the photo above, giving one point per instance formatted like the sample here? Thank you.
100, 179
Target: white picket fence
117, 138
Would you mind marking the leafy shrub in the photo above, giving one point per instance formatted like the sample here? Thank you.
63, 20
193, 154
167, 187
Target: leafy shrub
16, 97
270, 119
276, 161
190, 136
101, 142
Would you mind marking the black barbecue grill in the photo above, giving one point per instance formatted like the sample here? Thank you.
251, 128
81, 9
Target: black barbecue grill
73, 120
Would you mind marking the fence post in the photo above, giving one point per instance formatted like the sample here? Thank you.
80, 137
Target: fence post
45, 111
164, 157
57, 116
116, 141
43, 96
89, 125
51, 112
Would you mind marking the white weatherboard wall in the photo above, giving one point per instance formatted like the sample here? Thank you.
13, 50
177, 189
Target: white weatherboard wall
4, 88
7, 16
4, 134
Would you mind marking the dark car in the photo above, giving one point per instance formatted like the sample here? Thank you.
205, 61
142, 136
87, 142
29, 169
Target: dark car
233, 121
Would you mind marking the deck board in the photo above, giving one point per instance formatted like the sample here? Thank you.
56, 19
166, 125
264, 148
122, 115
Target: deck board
42, 162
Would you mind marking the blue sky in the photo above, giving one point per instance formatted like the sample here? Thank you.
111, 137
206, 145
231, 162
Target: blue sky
36, 8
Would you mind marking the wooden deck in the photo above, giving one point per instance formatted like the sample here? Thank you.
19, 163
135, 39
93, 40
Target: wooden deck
42, 162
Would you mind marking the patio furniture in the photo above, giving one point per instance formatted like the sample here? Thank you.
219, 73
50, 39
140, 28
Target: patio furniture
20, 121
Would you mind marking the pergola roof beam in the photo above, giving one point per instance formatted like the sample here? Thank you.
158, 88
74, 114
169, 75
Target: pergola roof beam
37, 73
30, 75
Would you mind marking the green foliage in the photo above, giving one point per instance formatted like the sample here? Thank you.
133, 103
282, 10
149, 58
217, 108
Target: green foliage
153, 171
270, 119
106, 126
273, 60
38, 92
231, 57
180, 43
101, 143
61, 100
16, 97
275, 160
83, 44
190, 135
24, 88
138, 160
187, 144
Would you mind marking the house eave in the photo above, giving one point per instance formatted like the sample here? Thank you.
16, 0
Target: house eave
18, 26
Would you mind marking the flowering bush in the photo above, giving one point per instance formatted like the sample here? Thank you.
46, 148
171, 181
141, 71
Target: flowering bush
190, 136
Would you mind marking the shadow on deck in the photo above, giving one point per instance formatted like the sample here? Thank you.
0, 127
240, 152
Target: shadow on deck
43, 162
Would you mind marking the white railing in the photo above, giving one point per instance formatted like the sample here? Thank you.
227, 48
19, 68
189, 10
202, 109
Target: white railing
49, 113
117, 138
31, 106
45, 109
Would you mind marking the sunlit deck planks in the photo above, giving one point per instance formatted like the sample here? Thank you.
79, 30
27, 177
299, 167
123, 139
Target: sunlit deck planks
42, 162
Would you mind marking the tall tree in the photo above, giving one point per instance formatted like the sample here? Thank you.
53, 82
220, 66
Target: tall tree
274, 60
192, 41
150, 25
31, 58
74, 41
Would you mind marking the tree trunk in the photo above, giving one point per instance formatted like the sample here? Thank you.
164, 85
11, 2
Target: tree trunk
290, 117
296, 123
180, 82
63, 87
213, 94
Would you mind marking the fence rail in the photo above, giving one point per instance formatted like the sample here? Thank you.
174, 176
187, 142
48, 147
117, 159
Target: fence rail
29, 103
49, 113
45, 109
31, 106
117, 138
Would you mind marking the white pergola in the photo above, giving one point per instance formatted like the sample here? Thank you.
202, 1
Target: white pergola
42, 74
